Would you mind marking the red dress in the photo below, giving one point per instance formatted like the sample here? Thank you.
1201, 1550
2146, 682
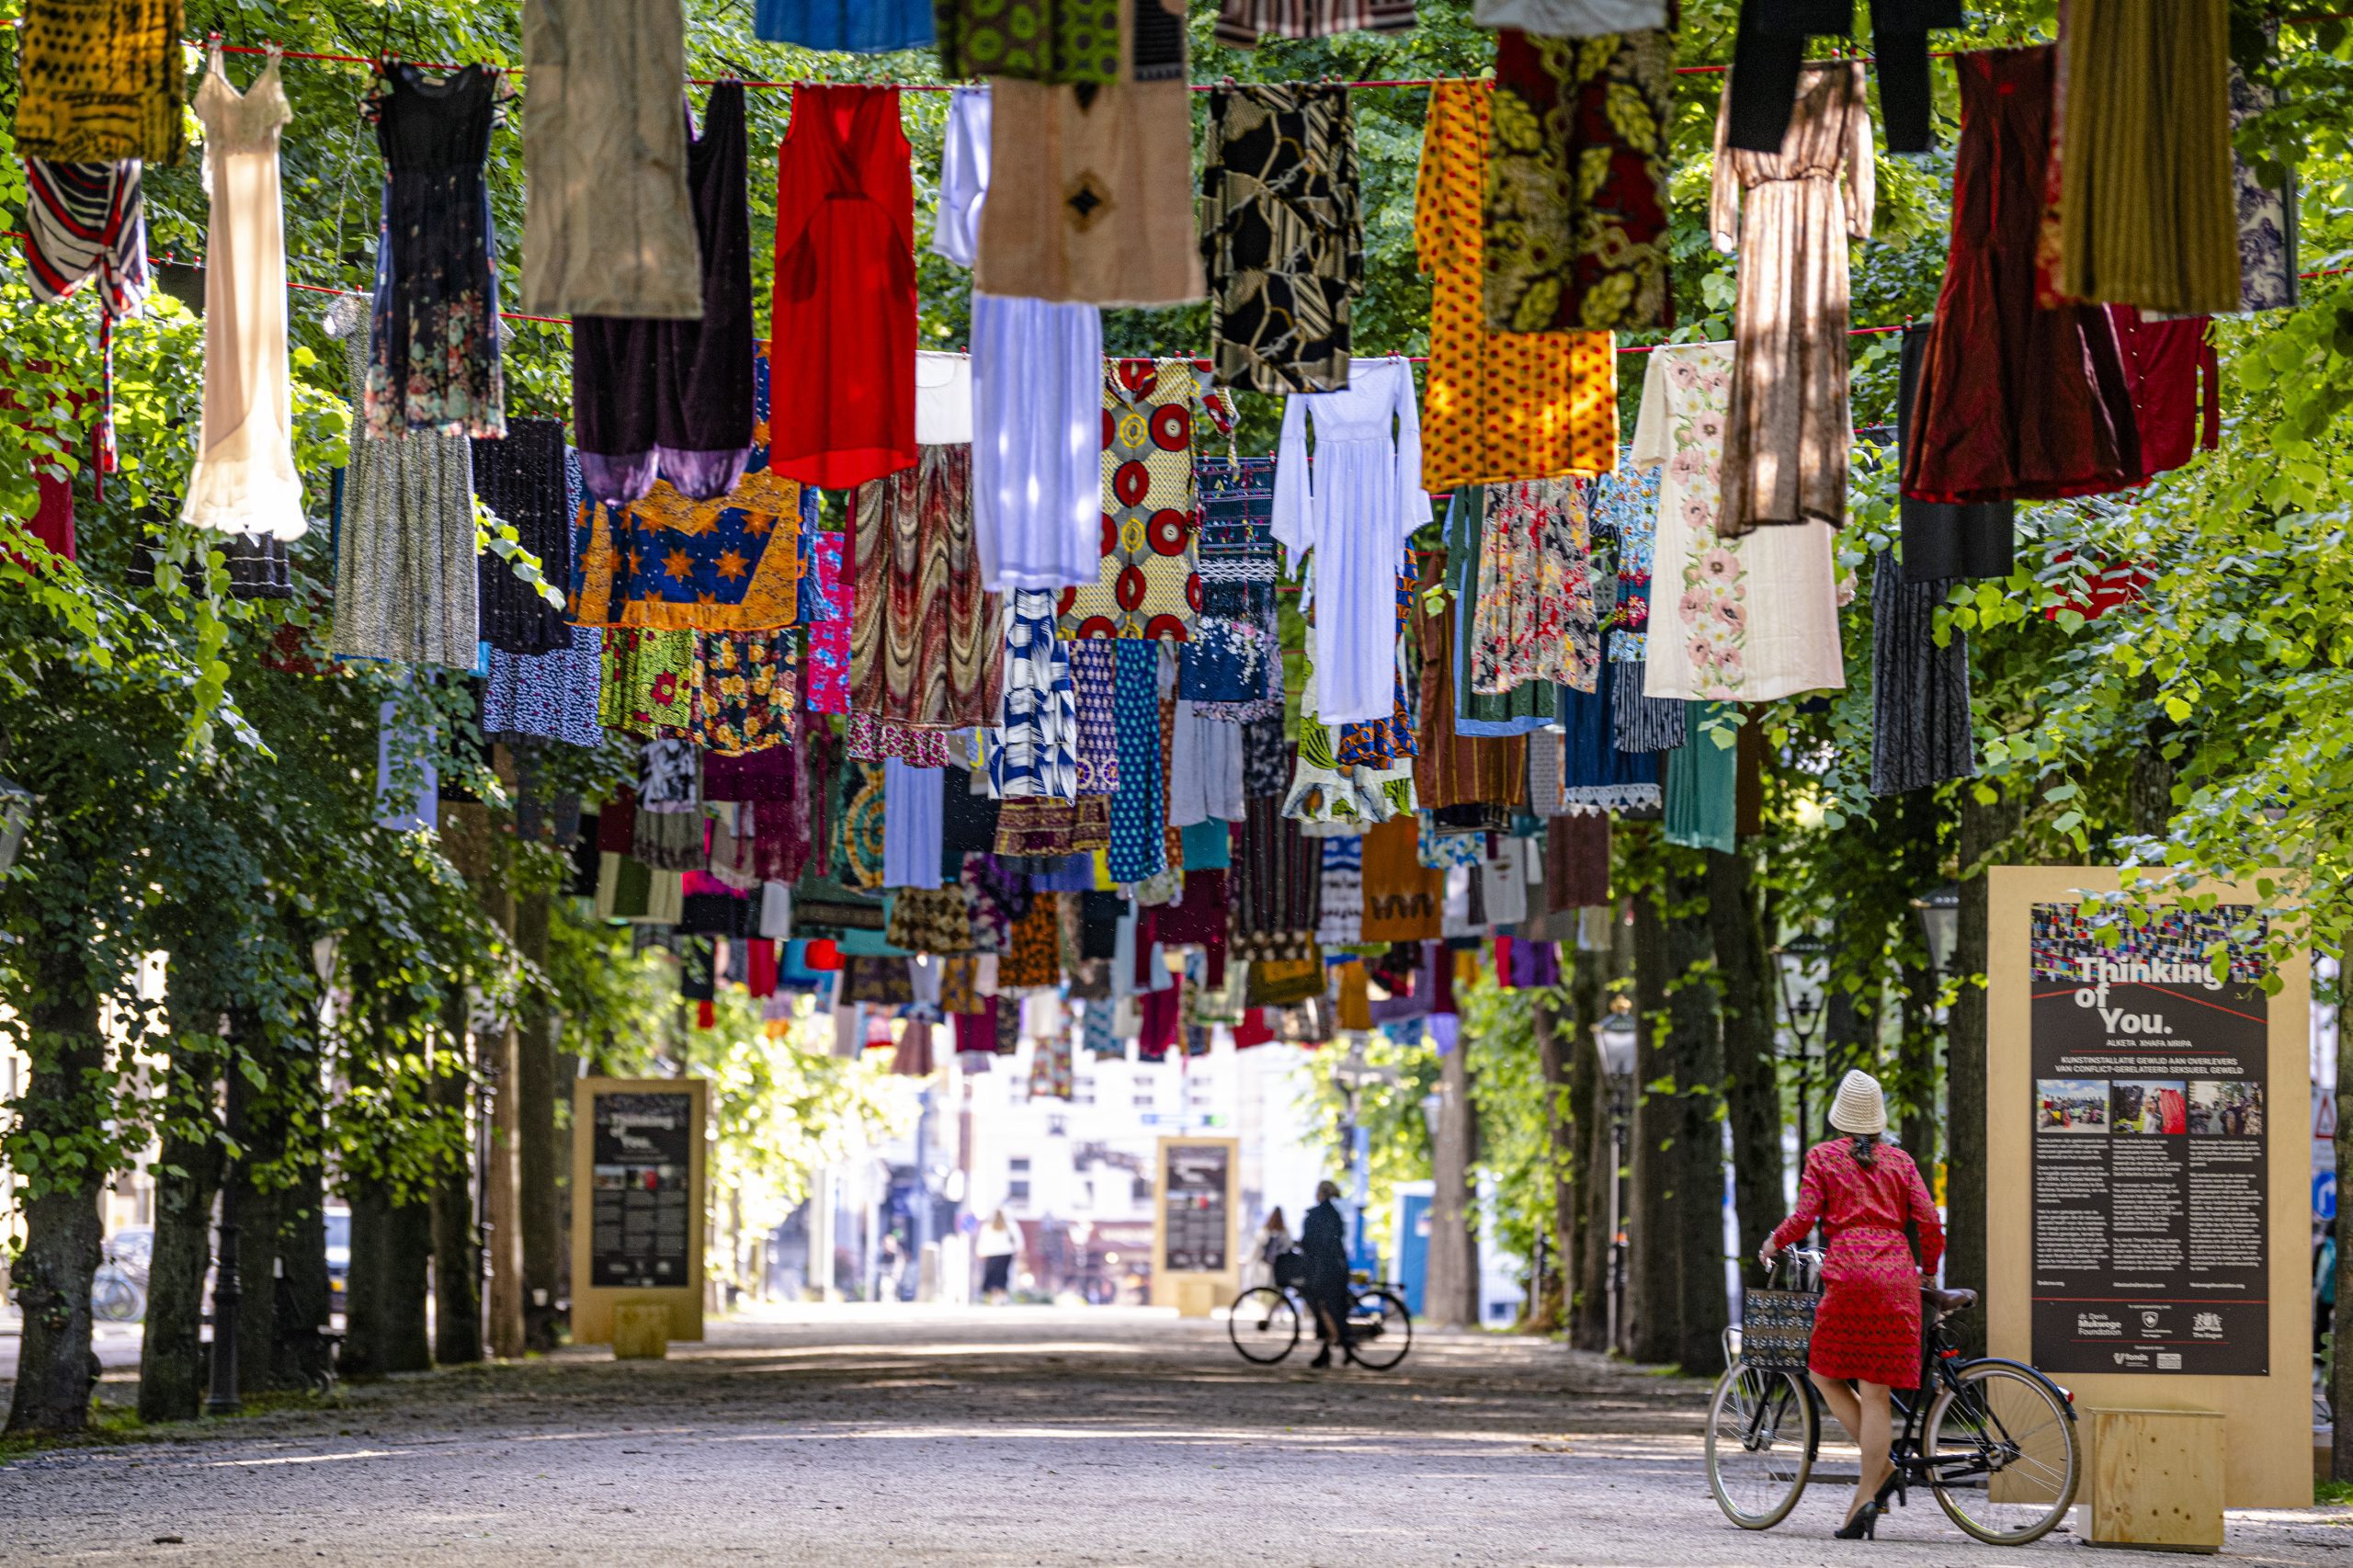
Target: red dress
2016, 402
1868, 1325
842, 323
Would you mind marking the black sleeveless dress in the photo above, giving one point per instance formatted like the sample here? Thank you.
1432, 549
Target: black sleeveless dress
433, 340
673, 399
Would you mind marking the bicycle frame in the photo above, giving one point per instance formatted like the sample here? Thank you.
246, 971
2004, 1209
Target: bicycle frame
1941, 1372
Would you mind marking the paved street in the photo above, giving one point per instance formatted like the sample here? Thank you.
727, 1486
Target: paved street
878, 1435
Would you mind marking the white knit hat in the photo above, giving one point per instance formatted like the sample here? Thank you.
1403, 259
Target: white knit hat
1860, 1109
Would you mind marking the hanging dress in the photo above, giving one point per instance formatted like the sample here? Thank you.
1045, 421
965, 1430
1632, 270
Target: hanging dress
925, 639
1577, 165
433, 351
1354, 514
1241, 23
2014, 401
102, 83
1572, 19
673, 398
1281, 234
1533, 620
606, 229
1788, 214
520, 478
1091, 193
1148, 581
842, 326
405, 586
1743, 618
845, 27
1037, 396
1941, 541
244, 480
2148, 206
1920, 724
1497, 405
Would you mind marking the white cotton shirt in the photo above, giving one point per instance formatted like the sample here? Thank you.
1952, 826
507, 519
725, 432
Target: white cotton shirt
943, 400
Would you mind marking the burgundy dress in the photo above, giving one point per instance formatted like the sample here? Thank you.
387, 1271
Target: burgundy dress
1868, 1325
2016, 402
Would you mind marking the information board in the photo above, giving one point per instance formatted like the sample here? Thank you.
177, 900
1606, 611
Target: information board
637, 1208
2146, 1224
639, 1201
1195, 1220
2149, 1147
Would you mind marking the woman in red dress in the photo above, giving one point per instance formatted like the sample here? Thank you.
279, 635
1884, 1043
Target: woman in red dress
1867, 1328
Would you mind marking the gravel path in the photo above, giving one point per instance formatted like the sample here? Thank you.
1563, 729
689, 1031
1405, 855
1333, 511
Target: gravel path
876, 1436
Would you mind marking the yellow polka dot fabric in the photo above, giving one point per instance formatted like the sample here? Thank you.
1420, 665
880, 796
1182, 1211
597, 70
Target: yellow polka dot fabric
1497, 405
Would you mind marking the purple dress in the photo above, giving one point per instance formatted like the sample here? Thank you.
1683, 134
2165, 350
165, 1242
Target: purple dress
673, 399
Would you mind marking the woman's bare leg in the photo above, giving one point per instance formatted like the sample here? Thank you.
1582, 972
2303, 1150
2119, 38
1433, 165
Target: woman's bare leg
1877, 1437
1854, 1415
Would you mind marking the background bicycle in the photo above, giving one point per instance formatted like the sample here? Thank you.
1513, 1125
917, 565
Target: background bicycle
1265, 1324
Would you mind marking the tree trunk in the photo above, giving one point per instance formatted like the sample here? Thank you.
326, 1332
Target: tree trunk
1452, 1298
66, 1101
257, 1126
502, 1240
1649, 1330
457, 1252
1983, 830
1697, 1158
1586, 1268
188, 1175
384, 1324
1556, 1042
305, 1299
1751, 1073
539, 1161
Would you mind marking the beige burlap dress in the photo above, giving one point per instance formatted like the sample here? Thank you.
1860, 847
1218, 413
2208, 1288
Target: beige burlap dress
1789, 216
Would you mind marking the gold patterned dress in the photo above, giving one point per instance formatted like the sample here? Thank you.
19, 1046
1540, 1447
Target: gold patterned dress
1497, 405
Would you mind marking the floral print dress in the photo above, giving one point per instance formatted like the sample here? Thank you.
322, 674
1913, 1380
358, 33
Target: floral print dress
433, 348
1743, 619
1534, 619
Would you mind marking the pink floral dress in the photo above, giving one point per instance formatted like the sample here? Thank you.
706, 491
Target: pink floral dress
1868, 1325
1744, 619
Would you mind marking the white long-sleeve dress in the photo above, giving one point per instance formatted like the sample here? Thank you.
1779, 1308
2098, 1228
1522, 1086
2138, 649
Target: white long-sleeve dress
1353, 513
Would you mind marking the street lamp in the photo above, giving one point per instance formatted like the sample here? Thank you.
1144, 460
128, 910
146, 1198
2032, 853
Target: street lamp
1617, 1040
1938, 912
1802, 1004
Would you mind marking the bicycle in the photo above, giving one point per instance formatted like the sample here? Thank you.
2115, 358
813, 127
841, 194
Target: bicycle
1993, 1439
1264, 1324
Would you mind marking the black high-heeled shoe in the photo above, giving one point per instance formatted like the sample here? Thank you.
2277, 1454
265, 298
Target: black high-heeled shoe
1864, 1526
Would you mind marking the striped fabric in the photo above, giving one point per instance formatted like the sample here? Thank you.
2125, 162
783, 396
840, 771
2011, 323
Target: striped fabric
1241, 22
84, 221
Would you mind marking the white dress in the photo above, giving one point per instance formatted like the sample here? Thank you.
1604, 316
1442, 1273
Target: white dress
1037, 372
244, 480
1364, 499
1741, 620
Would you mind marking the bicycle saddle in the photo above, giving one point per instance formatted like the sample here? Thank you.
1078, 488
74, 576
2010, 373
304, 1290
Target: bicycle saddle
1947, 1302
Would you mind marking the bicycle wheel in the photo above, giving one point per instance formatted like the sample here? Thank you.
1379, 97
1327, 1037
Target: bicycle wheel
2003, 1453
114, 1299
1762, 1428
1382, 1327
1262, 1323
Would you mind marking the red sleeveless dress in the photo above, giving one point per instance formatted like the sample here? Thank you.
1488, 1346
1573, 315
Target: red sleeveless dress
842, 325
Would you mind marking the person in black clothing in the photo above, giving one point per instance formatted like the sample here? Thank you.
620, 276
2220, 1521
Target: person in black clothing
1324, 1246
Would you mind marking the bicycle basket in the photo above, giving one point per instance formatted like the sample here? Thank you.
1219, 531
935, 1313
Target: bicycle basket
1777, 1323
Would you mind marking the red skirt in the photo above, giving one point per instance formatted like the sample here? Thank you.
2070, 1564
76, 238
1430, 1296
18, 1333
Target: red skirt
1868, 1325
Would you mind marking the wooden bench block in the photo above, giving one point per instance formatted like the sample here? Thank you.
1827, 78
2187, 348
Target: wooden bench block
640, 1330
2156, 1479
1196, 1297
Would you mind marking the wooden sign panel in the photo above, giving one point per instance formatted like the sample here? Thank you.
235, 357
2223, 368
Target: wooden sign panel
637, 1203
1195, 1192
2147, 1211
